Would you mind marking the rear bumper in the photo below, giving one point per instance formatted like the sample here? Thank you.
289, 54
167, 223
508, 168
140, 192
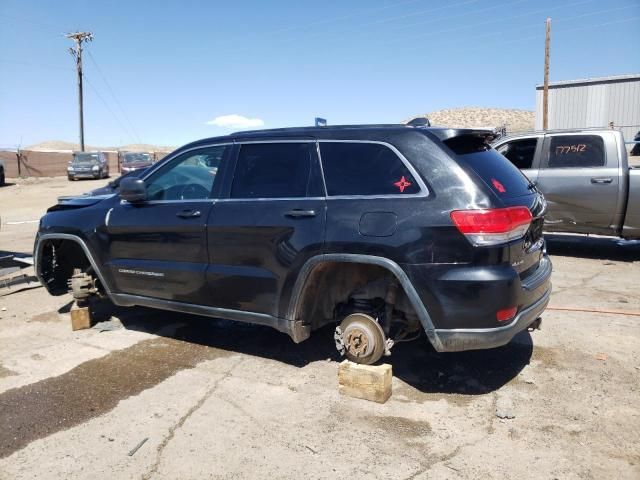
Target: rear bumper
462, 302
459, 339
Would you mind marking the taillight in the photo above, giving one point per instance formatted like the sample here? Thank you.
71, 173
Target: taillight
506, 314
492, 226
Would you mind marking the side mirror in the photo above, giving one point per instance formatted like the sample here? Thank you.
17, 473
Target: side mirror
133, 190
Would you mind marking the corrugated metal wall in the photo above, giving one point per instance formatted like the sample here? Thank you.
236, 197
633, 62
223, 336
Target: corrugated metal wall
593, 104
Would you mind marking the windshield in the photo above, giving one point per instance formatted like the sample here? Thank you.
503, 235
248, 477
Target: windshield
136, 158
85, 157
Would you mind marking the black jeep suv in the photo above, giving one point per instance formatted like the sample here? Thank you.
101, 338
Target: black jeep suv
385, 230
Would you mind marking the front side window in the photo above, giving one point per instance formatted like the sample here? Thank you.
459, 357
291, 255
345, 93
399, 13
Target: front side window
191, 176
576, 151
365, 169
273, 170
520, 152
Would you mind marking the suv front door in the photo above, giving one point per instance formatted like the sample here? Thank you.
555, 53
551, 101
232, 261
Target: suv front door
269, 221
158, 247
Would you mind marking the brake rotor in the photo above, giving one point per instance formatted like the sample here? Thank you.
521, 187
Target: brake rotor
363, 338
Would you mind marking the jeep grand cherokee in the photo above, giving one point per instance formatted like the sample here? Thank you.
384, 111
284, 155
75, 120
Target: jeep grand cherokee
386, 231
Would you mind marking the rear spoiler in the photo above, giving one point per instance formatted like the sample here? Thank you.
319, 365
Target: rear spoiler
466, 140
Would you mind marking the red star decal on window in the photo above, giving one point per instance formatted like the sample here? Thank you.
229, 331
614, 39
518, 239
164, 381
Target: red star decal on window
498, 186
402, 184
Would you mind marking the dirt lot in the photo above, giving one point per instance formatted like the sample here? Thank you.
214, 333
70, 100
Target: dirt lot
216, 399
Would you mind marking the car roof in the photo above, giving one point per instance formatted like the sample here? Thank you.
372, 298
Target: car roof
337, 132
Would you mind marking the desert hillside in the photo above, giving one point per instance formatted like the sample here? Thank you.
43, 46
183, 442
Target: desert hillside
473, 117
134, 147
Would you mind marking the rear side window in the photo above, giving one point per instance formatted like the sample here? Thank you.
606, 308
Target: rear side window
576, 151
520, 152
497, 172
272, 170
365, 169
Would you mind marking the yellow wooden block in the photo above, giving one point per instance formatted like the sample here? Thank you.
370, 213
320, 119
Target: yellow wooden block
80, 318
365, 381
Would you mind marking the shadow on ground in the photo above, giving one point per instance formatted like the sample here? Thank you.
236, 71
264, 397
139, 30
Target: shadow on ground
599, 248
416, 363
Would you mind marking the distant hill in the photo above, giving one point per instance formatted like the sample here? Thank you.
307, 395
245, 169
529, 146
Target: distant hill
473, 117
134, 147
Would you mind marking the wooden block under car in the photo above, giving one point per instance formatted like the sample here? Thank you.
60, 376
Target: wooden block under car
365, 381
80, 317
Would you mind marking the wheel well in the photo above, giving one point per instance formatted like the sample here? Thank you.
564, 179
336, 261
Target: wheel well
58, 258
330, 288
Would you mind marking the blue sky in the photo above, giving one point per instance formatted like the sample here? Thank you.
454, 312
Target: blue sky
159, 71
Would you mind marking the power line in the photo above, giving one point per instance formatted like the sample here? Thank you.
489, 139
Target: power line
37, 65
500, 19
560, 31
309, 35
95, 90
327, 20
115, 98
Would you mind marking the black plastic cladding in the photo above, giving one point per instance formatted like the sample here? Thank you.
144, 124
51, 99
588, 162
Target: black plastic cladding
245, 256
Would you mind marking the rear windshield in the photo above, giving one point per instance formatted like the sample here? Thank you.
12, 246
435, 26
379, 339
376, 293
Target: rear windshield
494, 170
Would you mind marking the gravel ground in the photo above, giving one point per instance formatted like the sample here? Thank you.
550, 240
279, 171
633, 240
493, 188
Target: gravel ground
148, 394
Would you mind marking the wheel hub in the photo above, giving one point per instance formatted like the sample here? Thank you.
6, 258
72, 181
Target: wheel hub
361, 338
358, 342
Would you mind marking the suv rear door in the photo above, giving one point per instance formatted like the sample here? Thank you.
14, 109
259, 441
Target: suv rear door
269, 221
372, 192
580, 181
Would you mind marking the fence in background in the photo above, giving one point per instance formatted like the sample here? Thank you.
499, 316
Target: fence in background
35, 163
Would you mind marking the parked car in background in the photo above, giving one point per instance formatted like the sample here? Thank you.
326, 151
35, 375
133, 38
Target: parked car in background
388, 232
2, 174
131, 161
585, 177
88, 165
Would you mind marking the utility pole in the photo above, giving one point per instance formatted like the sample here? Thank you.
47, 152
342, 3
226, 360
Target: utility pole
545, 92
76, 52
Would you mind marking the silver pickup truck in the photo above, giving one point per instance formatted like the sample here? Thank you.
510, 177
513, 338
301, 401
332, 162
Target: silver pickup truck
585, 177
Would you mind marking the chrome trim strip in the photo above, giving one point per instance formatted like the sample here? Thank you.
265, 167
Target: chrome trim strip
301, 140
65, 236
324, 182
175, 154
262, 199
424, 191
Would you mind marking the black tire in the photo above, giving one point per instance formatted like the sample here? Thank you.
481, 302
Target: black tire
2, 179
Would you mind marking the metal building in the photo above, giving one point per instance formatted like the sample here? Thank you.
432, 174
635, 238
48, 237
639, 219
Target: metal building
593, 102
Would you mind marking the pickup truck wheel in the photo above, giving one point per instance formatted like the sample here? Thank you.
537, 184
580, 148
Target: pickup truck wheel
363, 338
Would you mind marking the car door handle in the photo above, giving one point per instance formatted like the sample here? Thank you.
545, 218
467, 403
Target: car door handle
297, 213
188, 214
601, 180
